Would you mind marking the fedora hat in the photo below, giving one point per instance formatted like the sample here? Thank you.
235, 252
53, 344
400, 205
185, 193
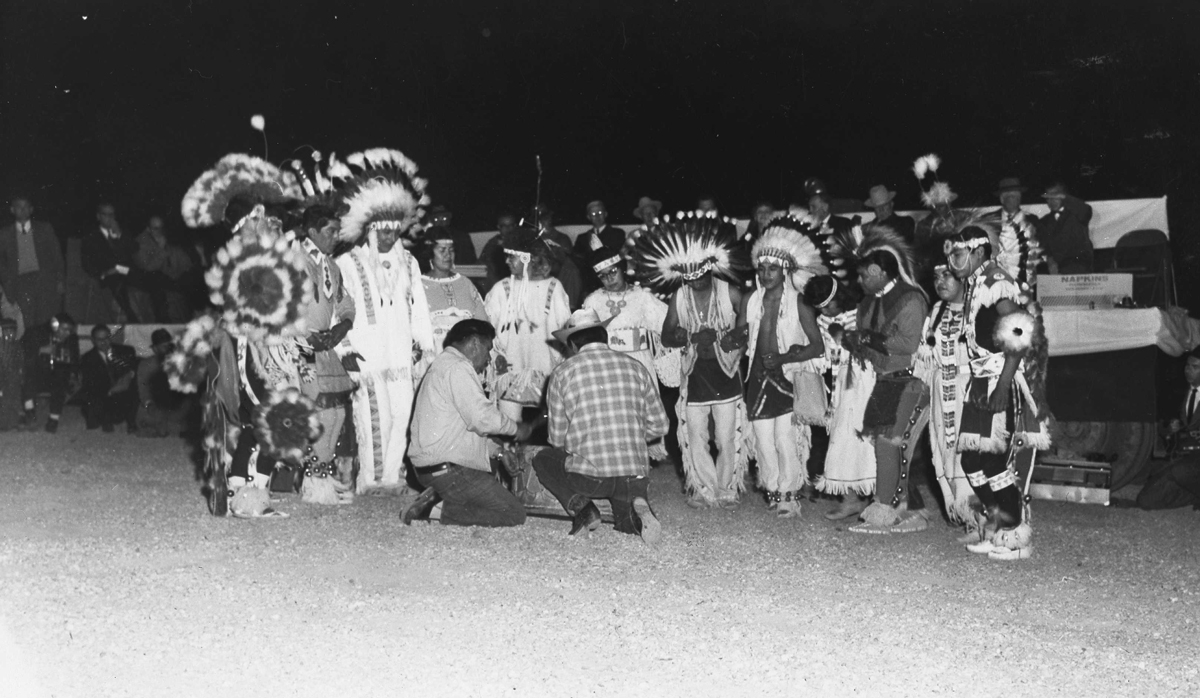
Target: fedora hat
880, 195
1009, 184
643, 203
582, 319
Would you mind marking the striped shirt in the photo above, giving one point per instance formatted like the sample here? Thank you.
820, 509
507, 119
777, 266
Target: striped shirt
604, 407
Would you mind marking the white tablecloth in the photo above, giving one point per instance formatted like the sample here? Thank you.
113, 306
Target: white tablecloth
1072, 332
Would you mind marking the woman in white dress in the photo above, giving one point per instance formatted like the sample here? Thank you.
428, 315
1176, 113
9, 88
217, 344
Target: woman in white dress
451, 296
850, 460
526, 308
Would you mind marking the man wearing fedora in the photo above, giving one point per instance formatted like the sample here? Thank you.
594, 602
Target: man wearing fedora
1009, 192
154, 395
881, 200
647, 210
604, 413
1013, 225
1063, 232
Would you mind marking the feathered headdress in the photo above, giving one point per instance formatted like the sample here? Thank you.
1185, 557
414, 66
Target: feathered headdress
381, 190
1015, 245
237, 176
684, 248
786, 242
313, 176
883, 239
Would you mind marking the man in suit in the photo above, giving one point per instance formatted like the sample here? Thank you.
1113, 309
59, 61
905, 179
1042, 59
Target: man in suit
1177, 484
31, 264
1009, 193
108, 257
881, 201
1063, 232
110, 395
818, 207
601, 235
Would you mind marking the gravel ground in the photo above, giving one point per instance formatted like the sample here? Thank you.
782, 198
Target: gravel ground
115, 581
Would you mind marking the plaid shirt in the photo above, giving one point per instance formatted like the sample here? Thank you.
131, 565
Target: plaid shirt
604, 407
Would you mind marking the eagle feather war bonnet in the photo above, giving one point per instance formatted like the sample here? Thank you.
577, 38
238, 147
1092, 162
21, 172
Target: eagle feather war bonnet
684, 248
787, 243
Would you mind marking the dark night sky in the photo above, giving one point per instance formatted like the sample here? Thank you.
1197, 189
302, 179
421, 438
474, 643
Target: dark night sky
621, 98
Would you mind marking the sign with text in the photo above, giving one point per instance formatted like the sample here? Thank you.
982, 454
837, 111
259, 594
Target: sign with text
1083, 291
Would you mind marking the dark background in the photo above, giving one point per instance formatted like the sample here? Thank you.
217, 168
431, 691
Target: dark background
129, 101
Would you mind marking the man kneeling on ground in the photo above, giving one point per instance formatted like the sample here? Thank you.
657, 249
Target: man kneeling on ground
452, 421
604, 410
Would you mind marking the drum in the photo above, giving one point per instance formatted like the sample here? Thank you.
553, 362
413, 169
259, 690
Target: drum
523, 483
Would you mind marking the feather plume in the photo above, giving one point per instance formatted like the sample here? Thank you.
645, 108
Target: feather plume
926, 164
939, 194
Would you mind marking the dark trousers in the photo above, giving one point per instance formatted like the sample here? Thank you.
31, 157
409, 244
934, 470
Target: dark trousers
240, 467
474, 498
41, 378
574, 490
105, 410
1176, 485
816, 454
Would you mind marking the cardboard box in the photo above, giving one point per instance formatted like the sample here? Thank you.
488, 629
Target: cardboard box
1083, 291
1063, 480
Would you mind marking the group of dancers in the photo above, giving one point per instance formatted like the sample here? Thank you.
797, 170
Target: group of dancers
325, 325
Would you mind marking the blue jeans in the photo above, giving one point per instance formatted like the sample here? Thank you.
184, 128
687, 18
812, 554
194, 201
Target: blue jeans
574, 490
474, 498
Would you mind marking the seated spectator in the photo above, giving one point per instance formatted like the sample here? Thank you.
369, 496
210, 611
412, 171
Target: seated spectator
763, 212
155, 400
647, 210
464, 248
166, 266
9, 310
109, 393
493, 255
107, 256
1177, 484
882, 202
51, 368
12, 369
563, 264
1063, 233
